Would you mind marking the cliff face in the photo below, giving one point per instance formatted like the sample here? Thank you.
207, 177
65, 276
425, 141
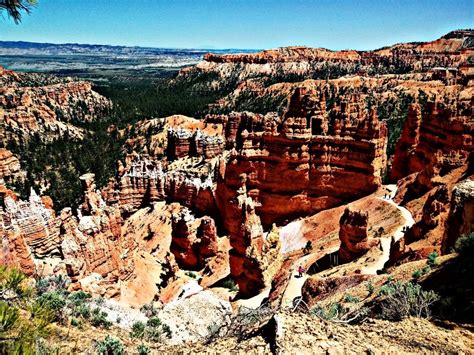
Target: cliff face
450, 50
248, 74
248, 171
431, 158
435, 130
246, 186
461, 213
307, 161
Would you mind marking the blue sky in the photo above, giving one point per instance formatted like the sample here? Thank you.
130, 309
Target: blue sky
334, 24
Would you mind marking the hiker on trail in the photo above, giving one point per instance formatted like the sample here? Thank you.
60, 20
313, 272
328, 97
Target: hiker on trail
301, 270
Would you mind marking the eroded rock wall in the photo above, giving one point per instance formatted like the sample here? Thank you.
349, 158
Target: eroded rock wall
295, 169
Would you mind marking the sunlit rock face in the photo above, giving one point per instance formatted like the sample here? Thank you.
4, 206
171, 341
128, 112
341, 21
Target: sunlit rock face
10, 167
435, 130
41, 107
353, 235
260, 169
33, 221
306, 161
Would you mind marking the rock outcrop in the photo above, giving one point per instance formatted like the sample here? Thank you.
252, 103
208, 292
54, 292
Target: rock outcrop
461, 213
448, 51
435, 132
33, 222
353, 235
251, 75
432, 156
306, 162
45, 108
10, 167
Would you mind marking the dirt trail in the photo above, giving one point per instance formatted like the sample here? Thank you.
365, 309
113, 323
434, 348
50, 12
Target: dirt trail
385, 243
293, 290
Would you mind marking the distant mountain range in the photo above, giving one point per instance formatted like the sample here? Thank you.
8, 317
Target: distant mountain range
94, 60
30, 48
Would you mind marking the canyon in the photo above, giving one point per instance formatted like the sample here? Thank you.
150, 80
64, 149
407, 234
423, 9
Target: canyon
362, 167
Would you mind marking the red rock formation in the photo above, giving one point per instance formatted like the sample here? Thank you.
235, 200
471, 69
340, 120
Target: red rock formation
15, 252
461, 213
209, 244
448, 51
435, 132
196, 246
144, 181
435, 148
32, 222
440, 210
293, 169
45, 106
353, 235
244, 172
185, 243
10, 169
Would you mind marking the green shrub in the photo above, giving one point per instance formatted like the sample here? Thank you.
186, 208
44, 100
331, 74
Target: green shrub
99, 319
138, 330
142, 349
11, 280
82, 311
370, 288
153, 322
420, 272
351, 299
155, 329
231, 285
8, 317
417, 274
54, 301
464, 246
76, 322
308, 247
149, 310
191, 274
386, 289
110, 346
328, 312
167, 330
406, 300
79, 296
24, 322
431, 261
52, 283
336, 312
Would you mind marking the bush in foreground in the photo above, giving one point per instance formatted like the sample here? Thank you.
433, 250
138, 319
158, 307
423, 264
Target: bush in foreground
24, 322
407, 299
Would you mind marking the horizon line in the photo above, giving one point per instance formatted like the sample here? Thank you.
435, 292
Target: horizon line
230, 48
